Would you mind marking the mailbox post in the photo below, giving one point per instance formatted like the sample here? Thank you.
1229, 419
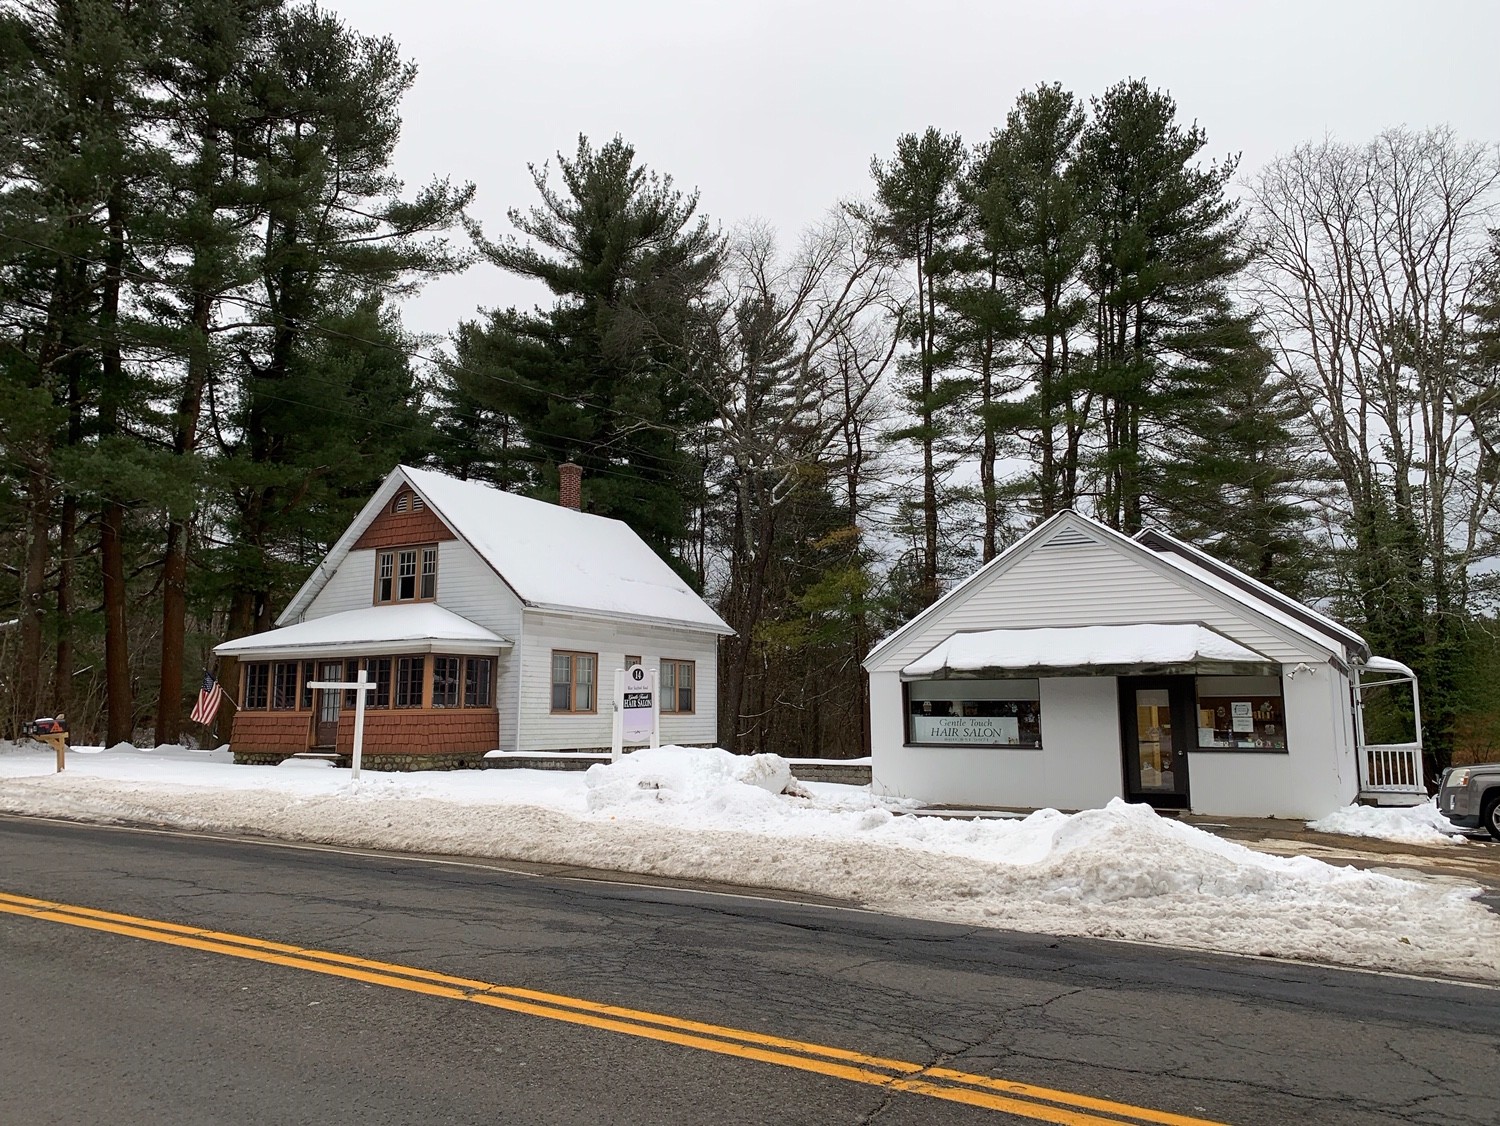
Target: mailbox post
360, 686
58, 741
53, 732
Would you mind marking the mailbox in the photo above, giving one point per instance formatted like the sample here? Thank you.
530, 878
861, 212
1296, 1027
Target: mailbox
53, 732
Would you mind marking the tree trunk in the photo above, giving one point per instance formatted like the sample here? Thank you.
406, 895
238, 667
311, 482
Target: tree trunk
119, 697
67, 533
174, 561
39, 504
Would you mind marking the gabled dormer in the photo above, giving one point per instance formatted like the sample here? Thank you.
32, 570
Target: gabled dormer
405, 537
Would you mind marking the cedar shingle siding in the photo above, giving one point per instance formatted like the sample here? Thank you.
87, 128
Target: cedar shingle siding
404, 530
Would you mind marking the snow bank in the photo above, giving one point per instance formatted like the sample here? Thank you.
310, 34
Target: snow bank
1417, 824
1119, 872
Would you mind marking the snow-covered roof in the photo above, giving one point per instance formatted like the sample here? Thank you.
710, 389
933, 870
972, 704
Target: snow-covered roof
1281, 614
421, 627
1129, 646
553, 558
1204, 567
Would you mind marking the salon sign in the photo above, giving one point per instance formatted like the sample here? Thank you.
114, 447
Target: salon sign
966, 730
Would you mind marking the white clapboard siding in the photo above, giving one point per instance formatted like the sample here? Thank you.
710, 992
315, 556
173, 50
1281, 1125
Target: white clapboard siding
541, 730
468, 586
351, 587
1079, 581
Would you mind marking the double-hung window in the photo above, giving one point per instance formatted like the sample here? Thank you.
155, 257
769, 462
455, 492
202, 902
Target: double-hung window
676, 687
573, 681
406, 574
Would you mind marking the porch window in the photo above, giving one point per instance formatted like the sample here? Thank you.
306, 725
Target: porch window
974, 713
573, 681
351, 675
676, 687
1242, 713
378, 669
309, 673
445, 682
409, 673
478, 676
257, 685
284, 687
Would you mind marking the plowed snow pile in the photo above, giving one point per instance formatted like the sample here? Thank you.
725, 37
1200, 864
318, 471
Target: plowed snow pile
1118, 872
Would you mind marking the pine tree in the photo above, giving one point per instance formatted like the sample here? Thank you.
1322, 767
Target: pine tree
336, 241
918, 214
1029, 206
605, 377
1166, 246
1236, 480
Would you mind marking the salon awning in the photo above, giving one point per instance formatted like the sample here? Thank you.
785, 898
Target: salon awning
421, 627
1088, 650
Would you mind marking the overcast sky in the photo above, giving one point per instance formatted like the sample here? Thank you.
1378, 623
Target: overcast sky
774, 109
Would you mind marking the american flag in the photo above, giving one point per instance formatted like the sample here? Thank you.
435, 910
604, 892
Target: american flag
209, 698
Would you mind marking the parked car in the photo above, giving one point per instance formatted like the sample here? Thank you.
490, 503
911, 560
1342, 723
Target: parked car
1470, 797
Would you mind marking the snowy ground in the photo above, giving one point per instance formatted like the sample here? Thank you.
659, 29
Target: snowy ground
1119, 872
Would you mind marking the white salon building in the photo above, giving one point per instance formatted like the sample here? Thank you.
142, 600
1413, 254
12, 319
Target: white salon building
1083, 665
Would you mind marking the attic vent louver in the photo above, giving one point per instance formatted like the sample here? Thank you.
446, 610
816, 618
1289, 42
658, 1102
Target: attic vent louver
416, 503
400, 505
1067, 537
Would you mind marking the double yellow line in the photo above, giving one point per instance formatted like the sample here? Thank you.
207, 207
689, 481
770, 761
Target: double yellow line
1022, 1099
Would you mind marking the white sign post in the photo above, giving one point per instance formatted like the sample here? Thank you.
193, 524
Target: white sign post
637, 712
360, 687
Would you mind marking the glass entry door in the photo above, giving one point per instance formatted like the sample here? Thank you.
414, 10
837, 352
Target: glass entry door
1156, 718
328, 705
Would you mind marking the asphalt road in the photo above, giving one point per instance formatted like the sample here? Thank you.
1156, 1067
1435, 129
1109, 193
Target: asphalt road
572, 999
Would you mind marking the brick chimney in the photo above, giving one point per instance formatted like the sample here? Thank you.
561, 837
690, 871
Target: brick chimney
570, 486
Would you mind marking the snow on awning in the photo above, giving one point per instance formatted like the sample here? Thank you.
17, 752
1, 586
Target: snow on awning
1094, 649
422, 627
1385, 664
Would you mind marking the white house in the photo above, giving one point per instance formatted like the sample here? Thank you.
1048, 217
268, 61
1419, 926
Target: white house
486, 621
1083, 665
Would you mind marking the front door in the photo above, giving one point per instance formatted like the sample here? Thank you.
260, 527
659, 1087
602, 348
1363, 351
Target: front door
328, 705
1156, 722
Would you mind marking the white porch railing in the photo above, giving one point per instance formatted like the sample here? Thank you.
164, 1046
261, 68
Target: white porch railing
1391, 768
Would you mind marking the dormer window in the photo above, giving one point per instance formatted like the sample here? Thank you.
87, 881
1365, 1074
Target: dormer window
406, 574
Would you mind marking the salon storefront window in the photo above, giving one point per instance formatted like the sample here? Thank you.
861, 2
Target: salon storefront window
973, 713
1241, 713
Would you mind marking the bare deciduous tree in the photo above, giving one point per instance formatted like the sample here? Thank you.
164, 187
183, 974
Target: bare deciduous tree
798, 351
1368, 258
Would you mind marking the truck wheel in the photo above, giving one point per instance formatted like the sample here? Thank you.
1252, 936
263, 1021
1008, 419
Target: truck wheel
1490, 818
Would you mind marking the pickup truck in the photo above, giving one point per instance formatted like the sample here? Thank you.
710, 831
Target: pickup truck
1470, 797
